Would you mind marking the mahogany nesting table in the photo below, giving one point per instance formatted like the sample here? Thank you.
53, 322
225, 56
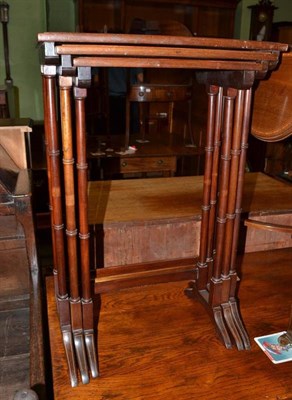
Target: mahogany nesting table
229, 69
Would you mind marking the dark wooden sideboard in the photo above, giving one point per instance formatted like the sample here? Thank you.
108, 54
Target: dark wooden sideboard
212, 18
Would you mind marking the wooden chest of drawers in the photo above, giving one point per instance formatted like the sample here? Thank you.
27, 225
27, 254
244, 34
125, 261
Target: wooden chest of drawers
146, 164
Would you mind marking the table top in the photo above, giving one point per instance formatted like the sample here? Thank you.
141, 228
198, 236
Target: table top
81, 37
140, 200
160, 51
151, 346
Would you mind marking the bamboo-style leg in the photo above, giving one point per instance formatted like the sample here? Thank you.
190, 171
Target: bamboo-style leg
240, 183
216, 282
230, 216
47, 130
87, 303
207, 291
232, 189
53, 156
222, 196
65, 84
229, 172
214, 183
209, 150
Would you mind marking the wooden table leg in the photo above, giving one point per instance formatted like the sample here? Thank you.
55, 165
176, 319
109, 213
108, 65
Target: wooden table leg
82, 167
228, 115
244, 127
53, 156
65, 84
229, 279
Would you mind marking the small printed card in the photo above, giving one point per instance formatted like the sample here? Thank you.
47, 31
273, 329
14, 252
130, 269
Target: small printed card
277, 353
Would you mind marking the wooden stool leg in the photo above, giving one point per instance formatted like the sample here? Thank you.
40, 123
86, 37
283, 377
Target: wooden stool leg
65, 84
53, 155
87, 304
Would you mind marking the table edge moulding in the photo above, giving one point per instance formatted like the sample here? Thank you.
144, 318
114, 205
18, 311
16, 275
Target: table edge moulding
229, 69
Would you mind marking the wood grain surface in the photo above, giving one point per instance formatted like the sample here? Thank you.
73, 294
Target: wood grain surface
160, 198
272, 119
149, 220
155, 343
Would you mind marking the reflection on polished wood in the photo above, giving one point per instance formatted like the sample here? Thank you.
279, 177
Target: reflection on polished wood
160, 154
146, 93
155, 344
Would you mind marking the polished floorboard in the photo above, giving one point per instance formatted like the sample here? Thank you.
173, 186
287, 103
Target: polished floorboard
155, 343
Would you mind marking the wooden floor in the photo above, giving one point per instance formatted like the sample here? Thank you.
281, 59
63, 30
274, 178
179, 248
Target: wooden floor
155, 343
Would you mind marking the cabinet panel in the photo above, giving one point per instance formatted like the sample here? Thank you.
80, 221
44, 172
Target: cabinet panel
215, 22
214, 18
93, 16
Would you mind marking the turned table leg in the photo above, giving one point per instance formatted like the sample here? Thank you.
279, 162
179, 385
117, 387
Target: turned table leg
54, 180
226, 142
82, 167
65, 84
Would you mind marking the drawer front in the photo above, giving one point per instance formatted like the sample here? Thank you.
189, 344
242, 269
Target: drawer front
147, 164
160, 93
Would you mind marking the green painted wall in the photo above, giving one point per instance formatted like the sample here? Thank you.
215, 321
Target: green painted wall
27, 19
61, 15
242, 19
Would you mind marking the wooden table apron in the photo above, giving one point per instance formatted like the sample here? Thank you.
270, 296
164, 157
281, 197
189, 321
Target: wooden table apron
229, 69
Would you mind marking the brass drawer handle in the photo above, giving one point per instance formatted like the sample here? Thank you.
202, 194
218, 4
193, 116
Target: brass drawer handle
124, 163
160, 162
